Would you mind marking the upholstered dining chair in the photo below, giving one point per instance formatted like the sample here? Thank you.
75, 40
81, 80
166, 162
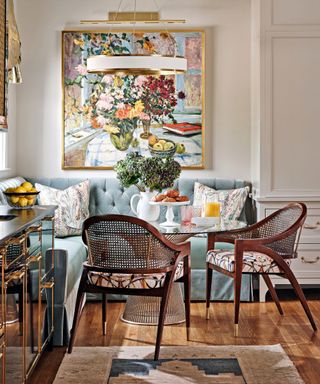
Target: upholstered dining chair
266, 248
129, 256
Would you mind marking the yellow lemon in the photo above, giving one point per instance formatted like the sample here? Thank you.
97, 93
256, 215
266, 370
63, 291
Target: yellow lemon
23, 202
30, 199
14, 199
20, 190
26, 185
10, 189
33, 190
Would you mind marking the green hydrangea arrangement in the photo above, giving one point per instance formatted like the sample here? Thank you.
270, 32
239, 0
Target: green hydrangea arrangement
147, 173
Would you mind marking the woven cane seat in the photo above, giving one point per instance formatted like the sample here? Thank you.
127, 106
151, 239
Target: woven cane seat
253, 262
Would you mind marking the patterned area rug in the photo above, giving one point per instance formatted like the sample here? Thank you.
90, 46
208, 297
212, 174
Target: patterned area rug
178, 365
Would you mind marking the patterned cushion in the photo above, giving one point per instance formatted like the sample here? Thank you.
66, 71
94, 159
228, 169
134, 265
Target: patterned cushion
232, 200
253, 262
73, 206
122, 280
9, 183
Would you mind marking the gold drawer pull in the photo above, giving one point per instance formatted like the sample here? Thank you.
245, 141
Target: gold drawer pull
34, 259
310, 226
48, 218
18, 275
47, 285
35, 228
310, 261
16, 241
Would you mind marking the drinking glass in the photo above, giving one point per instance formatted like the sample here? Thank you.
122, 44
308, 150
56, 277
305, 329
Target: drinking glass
186, 214
211, 206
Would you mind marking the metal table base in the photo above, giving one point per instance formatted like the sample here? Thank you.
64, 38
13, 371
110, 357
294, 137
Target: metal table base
144, 310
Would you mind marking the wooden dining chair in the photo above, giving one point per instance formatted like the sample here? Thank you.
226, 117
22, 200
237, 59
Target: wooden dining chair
129, 256
265, 248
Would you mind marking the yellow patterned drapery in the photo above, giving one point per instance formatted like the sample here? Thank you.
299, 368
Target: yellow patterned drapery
14, 47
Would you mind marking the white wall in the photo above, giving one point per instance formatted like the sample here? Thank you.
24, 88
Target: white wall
11, 153
39, 109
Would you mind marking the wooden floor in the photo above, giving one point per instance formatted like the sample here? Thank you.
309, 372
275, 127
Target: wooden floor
260, 324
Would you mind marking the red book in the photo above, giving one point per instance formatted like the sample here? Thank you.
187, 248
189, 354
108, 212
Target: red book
183, 129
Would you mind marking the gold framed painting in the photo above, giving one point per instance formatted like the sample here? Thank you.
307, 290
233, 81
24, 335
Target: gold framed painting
3, 66
107, 116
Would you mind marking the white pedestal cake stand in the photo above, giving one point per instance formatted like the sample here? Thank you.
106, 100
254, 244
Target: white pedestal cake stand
170, 215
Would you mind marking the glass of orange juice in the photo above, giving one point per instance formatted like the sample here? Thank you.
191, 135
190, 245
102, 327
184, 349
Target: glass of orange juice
211, 207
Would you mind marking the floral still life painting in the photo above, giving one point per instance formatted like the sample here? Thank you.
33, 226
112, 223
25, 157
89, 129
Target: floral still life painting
108, 116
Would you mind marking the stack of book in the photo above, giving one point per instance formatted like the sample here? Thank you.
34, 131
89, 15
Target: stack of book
184, 129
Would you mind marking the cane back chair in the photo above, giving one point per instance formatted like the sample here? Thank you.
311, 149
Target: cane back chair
266, 248
129, 256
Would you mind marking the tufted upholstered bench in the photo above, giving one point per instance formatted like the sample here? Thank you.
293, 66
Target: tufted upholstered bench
107, 196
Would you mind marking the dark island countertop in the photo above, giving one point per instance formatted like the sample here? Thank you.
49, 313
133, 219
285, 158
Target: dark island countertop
23, 218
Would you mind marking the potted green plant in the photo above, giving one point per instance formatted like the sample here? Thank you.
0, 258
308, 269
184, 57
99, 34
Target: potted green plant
150, 175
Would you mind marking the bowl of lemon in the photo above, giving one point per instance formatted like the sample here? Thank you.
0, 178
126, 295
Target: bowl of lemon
161, 147
22, 197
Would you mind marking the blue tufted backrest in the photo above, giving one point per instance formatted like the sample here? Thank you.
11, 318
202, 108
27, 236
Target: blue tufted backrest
108, 196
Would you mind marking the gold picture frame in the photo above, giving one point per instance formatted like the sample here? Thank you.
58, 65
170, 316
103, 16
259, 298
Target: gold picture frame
88, 146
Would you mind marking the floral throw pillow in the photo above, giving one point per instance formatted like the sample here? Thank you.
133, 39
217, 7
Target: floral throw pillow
73, 206
232, 200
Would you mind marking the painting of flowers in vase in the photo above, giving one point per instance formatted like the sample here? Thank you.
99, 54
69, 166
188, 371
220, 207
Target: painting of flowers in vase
106, 116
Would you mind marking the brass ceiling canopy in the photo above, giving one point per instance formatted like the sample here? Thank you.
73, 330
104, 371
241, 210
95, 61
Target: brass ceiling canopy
133, 18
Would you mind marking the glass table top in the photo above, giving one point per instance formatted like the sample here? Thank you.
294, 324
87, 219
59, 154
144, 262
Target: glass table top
192, 229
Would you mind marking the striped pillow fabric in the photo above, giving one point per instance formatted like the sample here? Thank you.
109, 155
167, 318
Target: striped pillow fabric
9, 183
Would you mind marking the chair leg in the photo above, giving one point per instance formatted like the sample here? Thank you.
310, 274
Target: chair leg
237, 292
273, 292
104, 314
162, 314
187, 292
208, 290
302, 298
77, 311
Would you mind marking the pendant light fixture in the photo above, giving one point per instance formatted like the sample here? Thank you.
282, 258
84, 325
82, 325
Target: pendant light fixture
136, 64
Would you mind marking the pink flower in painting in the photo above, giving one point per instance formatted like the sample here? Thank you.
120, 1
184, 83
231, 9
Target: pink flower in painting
107, 79
101, 120
144, 116
105, 102
81, 69
139, 93
139, 81
121, 106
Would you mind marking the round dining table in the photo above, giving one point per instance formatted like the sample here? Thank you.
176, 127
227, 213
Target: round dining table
144, 310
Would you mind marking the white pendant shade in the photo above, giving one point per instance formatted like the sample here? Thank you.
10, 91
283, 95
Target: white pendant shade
136, 64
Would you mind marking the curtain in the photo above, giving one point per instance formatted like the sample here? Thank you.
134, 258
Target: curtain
14, 47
